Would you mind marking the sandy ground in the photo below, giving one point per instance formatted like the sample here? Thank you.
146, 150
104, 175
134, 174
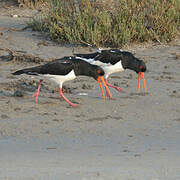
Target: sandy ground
135, 137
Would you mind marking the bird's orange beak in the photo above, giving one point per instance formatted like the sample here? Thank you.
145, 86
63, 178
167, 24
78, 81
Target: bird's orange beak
107, 89
139, 79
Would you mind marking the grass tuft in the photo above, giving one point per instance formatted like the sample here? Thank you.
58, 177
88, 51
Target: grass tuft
31, 3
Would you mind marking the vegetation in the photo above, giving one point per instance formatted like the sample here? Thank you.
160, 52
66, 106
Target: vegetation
30, 3
112, 23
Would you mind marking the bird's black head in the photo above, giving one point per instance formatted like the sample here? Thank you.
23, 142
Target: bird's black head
129, 61
97, 72
141, 67
84, 68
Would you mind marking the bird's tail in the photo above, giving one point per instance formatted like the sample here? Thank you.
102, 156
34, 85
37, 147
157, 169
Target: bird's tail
87, 56
30, 71
19, 72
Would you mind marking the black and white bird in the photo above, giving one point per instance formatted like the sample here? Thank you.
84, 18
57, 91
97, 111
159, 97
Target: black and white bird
65, 69
113, 61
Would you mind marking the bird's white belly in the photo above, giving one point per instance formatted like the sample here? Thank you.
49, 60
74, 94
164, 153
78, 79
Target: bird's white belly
109, 68
113, 68
59, 79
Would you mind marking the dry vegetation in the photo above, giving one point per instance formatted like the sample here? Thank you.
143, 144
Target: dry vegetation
111, 23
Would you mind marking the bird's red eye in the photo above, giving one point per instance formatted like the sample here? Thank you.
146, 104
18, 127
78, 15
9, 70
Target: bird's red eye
99, 71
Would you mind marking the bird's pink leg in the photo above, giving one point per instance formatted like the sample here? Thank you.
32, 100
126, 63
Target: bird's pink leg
36, 94
70, 103
115, 87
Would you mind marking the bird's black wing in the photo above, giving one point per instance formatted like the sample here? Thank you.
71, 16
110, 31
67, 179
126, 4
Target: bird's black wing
57, 67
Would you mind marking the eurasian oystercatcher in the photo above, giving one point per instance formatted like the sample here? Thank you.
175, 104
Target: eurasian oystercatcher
65, 69
114, 60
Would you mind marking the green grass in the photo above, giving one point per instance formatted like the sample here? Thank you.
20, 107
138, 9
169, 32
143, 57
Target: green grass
111, 23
